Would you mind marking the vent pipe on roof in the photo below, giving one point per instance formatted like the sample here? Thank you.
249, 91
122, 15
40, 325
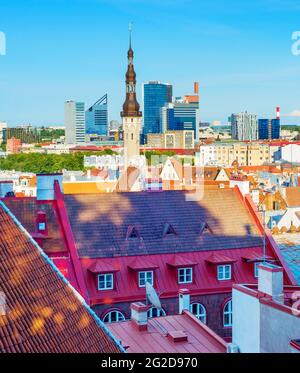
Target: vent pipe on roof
270, 281
184, 300
139, 315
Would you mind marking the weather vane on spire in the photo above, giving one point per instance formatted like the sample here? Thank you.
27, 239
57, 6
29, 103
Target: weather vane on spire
130, 31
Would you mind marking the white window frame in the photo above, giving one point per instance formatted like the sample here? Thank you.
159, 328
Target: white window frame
183, 272
145, 279
227, 312
119, 316
160, 312
105, 276
200, 311
221, 272
256, 264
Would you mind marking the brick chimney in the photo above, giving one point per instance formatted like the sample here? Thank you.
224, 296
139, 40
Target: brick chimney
139, 315
270, 281
184, 300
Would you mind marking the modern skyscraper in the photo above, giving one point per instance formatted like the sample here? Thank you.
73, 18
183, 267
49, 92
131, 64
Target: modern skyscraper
269, 129
75, 122
155, 96
96, 118
244, 126
183, 113
131, 114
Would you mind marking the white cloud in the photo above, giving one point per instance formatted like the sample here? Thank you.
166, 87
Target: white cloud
294, 113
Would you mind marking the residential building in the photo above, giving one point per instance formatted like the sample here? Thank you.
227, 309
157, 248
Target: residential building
224, 154
155, 96
13, 145
96, 118
178, 333
74, 122
172, 140
106, 246
38, 305
266, 318
244, 126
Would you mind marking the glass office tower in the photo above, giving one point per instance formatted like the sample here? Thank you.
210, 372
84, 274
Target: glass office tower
96, 118
268, 129
155, 96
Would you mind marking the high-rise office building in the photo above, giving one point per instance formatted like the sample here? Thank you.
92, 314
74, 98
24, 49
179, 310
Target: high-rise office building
75, 122
244, 126
96, 118
155, 96
3, 128
269, 129
182, 114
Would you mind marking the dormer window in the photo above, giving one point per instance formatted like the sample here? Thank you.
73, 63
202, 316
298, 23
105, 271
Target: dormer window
205, 229
224, 272
185, 275
145, 276
132, 233
106, 281
168, 230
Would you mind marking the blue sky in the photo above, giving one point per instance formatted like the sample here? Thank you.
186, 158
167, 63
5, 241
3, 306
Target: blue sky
239, 51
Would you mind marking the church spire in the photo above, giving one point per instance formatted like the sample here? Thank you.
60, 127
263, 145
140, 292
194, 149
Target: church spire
131, 107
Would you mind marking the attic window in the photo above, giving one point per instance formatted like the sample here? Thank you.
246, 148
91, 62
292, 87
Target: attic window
205, 229
168, 229
132, 233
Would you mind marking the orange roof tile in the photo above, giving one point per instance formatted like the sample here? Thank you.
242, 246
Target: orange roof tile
43, 312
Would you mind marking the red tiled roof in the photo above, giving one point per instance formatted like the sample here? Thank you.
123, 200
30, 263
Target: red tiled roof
200, 339
43, 312
100, 222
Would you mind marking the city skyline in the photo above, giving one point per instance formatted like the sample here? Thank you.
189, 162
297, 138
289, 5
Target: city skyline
78, 54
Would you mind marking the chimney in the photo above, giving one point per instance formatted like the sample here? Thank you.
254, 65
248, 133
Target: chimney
270, 281
196, 88
241, 183
41, 223
278, 112
2, 304
139, 315
45, 186
184, 300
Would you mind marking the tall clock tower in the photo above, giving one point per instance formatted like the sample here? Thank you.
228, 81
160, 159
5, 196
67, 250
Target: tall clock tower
131, 114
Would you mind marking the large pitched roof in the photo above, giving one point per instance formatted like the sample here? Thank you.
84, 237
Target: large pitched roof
100, 223
43, 313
